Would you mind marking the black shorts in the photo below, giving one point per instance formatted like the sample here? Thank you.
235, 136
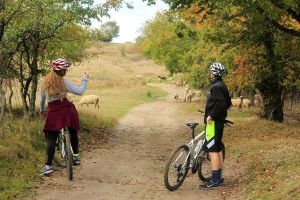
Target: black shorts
213, 136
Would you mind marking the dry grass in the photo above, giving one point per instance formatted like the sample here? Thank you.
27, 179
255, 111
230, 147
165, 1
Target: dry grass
270, 151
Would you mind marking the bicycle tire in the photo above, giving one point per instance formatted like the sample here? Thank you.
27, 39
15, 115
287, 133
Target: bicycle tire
69, 156
59, 158
179, 182
204, 165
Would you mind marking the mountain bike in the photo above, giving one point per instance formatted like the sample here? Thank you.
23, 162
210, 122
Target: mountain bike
63, 152
189, 156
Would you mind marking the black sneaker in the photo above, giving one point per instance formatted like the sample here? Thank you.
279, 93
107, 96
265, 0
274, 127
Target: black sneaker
221, 181
209, 184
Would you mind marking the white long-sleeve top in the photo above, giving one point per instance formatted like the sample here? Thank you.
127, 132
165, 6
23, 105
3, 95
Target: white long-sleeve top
70, 88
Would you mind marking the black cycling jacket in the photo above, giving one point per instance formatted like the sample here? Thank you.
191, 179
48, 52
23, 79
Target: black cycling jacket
218, 101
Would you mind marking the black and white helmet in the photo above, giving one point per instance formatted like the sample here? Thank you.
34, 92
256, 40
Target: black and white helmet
217, 69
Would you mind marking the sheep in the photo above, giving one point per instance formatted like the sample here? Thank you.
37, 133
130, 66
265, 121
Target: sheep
189, 96
246, 103
186, 92
187, 89
257, 100
90, 99
138, 76
176, 96
197, 93
237, 102
162, 78
179, 83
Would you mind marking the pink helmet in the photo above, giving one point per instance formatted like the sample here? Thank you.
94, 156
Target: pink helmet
60, 64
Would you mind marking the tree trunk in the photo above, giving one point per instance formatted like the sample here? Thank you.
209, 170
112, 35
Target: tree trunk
11, 93
34, 72
269, 85
292, 97
24, 92
298, 97
2, 100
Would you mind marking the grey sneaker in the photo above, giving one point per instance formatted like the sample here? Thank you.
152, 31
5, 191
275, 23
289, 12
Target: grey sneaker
76, 160
46, 170
221, 181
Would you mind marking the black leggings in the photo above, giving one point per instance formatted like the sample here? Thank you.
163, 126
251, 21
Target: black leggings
51, 137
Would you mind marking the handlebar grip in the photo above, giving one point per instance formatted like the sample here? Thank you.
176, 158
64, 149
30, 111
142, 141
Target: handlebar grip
200, 111
228, 122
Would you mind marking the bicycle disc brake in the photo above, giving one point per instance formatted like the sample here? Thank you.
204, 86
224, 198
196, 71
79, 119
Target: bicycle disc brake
195, 165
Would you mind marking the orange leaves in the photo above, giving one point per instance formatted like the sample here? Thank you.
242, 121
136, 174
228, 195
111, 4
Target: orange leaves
194, 12
241, 76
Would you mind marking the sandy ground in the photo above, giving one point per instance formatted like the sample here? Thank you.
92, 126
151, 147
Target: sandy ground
131, 164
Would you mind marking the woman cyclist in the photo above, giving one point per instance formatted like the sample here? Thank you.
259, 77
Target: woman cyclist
61, 112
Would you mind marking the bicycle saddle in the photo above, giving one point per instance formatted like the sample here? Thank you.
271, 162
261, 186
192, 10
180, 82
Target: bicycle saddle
192, 125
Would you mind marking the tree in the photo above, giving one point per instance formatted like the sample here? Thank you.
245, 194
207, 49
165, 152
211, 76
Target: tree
109, 31
28, 30
250, 28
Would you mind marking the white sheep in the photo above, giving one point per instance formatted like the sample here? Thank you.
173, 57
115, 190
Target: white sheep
257, 100
187, 89
237, 102
246, 103
90, 99
179, 83
197, 93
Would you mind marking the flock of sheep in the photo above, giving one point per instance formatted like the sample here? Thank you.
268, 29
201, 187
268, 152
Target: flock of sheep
241, 102
189, 94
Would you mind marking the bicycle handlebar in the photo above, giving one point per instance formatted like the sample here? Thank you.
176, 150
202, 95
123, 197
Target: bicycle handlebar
227, 122
200, 111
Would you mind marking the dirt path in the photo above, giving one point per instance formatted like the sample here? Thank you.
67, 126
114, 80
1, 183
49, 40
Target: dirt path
131, 164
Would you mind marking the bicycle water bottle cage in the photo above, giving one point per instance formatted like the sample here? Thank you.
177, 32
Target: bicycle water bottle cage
192, 125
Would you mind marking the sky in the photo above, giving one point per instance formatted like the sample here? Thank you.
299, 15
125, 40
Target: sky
131, 20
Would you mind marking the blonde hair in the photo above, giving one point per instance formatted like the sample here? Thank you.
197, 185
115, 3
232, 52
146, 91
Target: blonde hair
54, 85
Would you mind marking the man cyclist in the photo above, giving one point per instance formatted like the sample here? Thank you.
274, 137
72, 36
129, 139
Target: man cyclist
217, 103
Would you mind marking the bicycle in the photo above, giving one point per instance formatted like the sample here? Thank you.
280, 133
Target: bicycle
63, 152
190, 156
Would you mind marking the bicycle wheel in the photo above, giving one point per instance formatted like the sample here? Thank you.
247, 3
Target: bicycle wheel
58, 155
69, 156
177, 168
204, 170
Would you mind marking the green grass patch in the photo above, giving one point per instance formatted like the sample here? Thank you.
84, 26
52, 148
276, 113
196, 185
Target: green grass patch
21, 151
116, 101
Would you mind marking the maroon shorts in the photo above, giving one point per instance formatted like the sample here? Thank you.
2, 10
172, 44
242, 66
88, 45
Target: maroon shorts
61, 114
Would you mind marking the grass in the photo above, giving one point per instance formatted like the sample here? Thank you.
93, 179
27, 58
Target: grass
270, 152
21, 151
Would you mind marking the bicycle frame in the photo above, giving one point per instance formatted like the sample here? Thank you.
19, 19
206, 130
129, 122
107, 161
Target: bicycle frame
63, 142
191, 145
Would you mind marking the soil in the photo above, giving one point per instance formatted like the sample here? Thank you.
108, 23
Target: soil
131, 164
